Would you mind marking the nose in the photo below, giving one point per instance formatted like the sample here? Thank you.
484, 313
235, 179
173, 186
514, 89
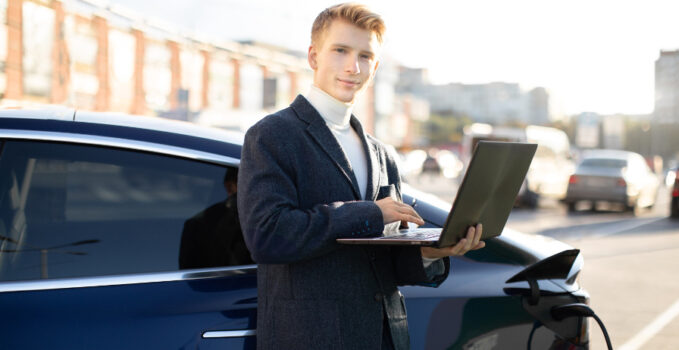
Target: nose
351, 65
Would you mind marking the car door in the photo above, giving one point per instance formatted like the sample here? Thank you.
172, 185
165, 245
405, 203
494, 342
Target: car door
90, 244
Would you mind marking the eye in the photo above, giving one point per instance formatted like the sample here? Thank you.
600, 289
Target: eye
340, 50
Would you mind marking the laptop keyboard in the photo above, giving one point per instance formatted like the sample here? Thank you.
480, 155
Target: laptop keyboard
419, 234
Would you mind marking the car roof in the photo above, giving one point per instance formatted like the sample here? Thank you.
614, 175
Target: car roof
123, 127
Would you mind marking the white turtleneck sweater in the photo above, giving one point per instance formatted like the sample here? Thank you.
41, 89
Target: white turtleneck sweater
337, 115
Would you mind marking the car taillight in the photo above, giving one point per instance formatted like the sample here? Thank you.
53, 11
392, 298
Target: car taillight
675, 192
573, 179
621, 182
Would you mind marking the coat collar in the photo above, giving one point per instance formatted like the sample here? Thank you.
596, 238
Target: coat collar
320, 132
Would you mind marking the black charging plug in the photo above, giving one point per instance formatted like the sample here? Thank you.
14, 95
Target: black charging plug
560, 312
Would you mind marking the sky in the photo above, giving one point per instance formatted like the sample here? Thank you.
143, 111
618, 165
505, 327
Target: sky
591, 55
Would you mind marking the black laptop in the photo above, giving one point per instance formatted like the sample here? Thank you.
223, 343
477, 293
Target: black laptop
486, 195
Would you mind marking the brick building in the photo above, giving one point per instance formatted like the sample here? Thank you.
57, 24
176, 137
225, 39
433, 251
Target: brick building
82, 54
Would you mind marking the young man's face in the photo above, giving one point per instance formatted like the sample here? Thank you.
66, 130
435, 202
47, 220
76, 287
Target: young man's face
344, 60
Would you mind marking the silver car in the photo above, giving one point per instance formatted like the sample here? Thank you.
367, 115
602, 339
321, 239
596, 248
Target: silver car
612, 176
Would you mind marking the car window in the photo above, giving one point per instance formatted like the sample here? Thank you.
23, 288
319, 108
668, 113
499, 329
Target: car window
71, 210
603, 162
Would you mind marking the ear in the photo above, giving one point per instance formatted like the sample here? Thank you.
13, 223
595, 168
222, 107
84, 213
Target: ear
372, 76
311, 57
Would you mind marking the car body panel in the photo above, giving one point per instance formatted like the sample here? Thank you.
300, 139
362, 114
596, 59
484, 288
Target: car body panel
150, 315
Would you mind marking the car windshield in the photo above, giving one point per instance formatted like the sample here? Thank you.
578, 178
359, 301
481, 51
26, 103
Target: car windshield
603, 163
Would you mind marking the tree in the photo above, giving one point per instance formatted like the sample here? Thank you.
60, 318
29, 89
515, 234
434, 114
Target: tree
445, 129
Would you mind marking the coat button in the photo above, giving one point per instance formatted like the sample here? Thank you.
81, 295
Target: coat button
378, 297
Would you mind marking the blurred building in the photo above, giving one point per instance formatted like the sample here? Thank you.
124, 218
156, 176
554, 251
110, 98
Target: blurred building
493, 103
537, 109
89, 55
631, 132
588, 130
412, 79
667, 87
398, 115
665, 123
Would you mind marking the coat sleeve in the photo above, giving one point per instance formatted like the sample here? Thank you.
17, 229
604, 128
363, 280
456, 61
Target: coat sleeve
411, 271
275, 228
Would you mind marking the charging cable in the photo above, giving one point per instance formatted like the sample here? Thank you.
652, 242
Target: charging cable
536, 325
560, 312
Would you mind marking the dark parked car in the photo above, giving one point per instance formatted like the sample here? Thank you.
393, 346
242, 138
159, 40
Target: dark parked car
93, 214
673, 183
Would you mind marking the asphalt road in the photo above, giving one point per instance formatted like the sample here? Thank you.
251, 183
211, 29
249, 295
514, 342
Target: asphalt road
631, 264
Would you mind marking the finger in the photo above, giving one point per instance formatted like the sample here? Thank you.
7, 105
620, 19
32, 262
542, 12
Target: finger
477, 236
470, 238
406, 209
411, 215
413, 219
458, 248
403, 218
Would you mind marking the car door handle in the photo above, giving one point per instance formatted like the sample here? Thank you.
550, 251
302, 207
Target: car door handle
229, 334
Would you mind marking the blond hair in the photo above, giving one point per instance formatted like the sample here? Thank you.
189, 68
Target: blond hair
356, 14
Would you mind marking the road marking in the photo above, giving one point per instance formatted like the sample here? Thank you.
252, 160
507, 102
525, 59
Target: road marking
652, 328
625, 225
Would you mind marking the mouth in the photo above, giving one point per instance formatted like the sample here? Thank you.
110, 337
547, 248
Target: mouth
348, 82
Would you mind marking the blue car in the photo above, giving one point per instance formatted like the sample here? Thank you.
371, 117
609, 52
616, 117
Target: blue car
97, 249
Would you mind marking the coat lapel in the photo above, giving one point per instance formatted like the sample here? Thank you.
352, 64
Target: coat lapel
371, 155
320, 132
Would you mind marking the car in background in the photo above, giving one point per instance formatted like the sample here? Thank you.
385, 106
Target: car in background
450, 163
612, 176
93, 214
672, 181
552, 164
434, 162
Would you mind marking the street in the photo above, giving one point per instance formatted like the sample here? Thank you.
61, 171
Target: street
630, 268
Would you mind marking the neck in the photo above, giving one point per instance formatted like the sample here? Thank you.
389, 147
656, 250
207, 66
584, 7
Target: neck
335, 112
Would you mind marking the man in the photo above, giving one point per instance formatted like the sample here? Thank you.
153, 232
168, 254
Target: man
213, 237
310, 175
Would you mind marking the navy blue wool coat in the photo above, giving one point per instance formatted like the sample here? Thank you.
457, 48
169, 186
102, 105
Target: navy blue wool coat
296, 195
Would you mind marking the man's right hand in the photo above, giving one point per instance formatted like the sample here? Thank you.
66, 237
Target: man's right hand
393, 211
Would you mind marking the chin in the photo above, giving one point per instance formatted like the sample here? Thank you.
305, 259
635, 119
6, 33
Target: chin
347, 96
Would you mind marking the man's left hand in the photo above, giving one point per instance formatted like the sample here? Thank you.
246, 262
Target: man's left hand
471, 242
